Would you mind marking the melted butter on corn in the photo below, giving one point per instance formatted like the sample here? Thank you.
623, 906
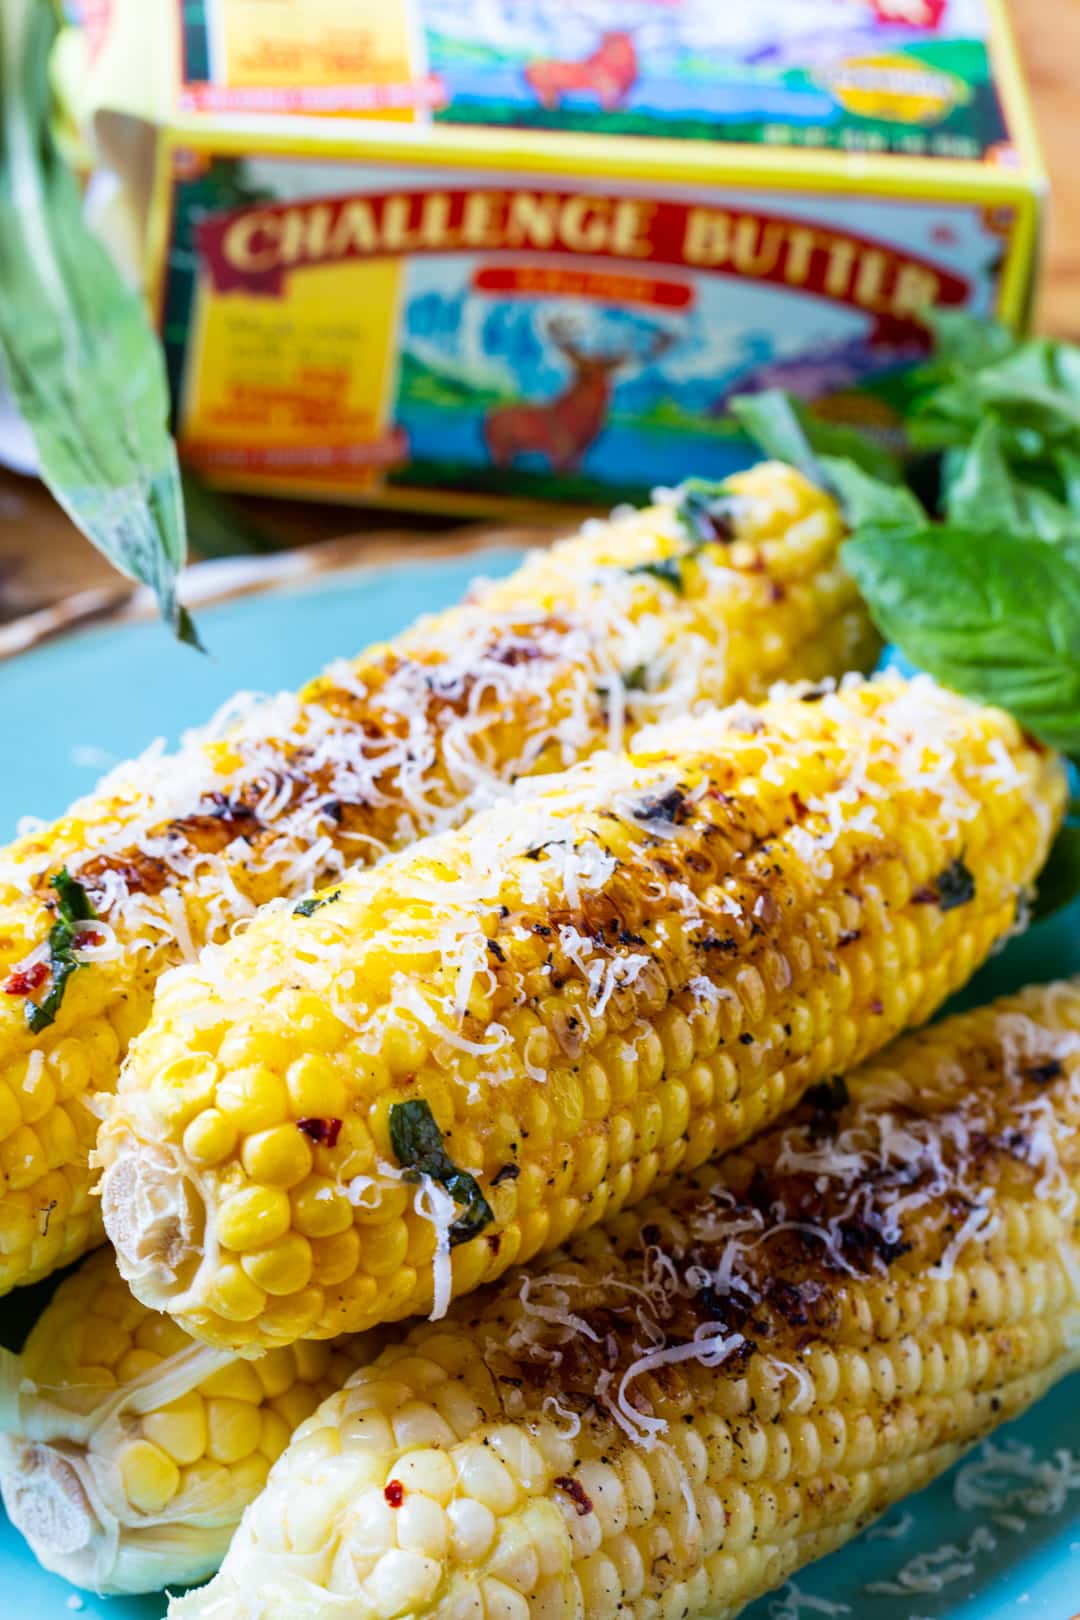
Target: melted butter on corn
599, 982
694, 1400
127, 1451
576, 648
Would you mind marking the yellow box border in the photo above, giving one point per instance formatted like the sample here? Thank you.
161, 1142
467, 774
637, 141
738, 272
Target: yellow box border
644, 161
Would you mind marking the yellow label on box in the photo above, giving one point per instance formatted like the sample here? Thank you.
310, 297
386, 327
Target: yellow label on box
303, 56
297, 387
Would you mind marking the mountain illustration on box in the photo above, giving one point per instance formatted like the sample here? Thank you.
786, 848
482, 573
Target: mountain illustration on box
501, 390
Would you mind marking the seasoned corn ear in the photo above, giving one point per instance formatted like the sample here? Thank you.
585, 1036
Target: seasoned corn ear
632, 621
690, 1403
128, 1452
454, 1061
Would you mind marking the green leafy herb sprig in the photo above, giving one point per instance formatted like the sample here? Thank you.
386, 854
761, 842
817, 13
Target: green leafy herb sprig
419, 1149
981, 588
73, 910
76, 350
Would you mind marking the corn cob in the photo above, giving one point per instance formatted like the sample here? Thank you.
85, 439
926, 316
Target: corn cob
594, 984
127, 1451
719, 1387
618, 626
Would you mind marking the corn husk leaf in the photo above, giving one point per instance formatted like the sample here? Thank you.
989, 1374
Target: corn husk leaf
76, 350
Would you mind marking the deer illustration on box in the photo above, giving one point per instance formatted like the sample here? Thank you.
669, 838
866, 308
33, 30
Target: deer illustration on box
562, 429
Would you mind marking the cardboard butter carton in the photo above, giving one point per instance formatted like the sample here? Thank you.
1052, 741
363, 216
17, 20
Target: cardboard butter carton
429, 253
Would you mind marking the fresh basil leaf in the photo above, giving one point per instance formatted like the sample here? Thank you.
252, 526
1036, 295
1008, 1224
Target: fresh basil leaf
72, 908
1026, 386
1067, 466
668, 570
979, 490
72, 901
965, 339
76, 350
314, 902
787, 431
705, 508
419, 1149
1059, 881
982, 492
868, 500
990, 614
771, 421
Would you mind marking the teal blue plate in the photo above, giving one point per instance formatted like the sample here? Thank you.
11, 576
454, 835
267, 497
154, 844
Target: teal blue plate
73, 704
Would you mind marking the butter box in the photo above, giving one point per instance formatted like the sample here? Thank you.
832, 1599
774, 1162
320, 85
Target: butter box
465, 256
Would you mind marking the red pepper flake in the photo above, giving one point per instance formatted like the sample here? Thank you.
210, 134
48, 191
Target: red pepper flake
576, 1492
877, 1006
88, 937
394, 1493
926, 896
24, 980
323, 1131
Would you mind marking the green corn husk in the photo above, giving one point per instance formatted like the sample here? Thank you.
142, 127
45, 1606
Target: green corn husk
76, 350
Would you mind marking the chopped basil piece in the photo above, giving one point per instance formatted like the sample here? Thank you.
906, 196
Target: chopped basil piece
666, 569
418, 1147
72, 908
314, 903
955, 886
706, 511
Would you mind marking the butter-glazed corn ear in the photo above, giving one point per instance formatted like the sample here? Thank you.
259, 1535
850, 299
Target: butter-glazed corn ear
685, 1406
127, 1451
694, 599
364, 1105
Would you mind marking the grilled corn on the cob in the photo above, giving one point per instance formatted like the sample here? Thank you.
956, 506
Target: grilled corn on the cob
632, 620
717, 1388
127, 1451
536, 1018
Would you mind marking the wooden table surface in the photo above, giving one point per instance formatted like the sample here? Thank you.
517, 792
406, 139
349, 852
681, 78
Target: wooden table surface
43, 559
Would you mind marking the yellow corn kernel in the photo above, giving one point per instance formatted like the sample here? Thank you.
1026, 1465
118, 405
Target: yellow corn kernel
10, 1116
210, 1137
253, 1097
254, 1216
179, 1428
315, 1090
34, 1091
335, 1258
150, 1478
237, 1382
320, 1209
134, 1364
280, 1157
694, 1484
22, 1161
233, 1429
283, 1267
234, 1296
